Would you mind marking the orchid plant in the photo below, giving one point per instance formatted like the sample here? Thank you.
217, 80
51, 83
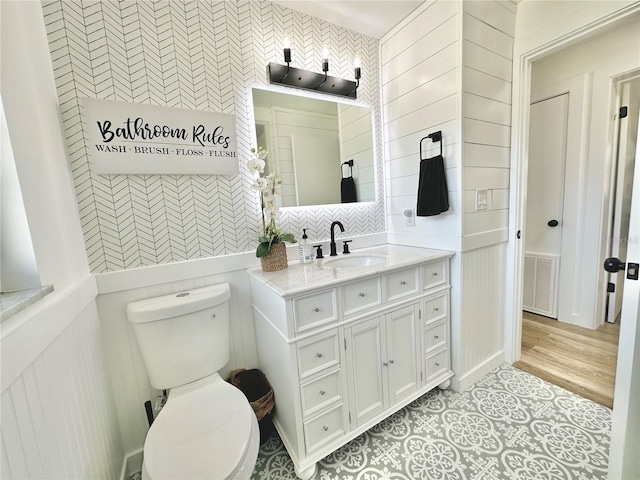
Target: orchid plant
268, 186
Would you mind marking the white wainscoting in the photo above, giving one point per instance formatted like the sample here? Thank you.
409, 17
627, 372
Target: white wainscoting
58, 415
477, 336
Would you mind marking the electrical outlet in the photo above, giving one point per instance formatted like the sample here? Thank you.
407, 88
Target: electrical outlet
160, 401
482, 199
410, 218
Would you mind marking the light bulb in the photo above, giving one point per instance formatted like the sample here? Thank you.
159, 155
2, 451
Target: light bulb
286, 42
356, 62
325, 53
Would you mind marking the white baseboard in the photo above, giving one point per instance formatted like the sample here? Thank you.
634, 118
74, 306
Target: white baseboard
131, 464
462, 383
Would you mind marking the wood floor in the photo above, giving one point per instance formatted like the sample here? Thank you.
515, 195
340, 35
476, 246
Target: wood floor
575, 358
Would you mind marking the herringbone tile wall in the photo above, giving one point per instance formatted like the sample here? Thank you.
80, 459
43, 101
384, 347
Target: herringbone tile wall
199, 55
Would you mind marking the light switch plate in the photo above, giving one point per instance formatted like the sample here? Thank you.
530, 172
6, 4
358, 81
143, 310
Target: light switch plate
482, 199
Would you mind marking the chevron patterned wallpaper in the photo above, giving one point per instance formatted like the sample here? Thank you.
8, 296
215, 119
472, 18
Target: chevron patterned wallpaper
199, 55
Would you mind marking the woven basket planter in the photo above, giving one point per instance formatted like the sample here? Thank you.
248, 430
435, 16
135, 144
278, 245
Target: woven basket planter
276, 259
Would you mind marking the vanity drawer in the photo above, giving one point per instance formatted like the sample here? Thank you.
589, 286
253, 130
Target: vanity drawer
402, 283
435, 335
436, 308
314, 310
320, 393
323, 428
437, 363
435, 273
317, 353
361, 295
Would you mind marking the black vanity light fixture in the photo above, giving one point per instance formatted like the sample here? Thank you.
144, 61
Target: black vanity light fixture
319, 82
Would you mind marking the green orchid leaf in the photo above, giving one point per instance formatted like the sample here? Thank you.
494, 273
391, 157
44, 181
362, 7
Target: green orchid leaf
286, 237
263, 249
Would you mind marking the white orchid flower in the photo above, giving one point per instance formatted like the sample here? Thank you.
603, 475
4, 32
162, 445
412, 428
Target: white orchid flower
256, 165
259, 184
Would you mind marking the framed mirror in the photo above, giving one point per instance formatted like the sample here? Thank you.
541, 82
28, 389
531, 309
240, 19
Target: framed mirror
323, 150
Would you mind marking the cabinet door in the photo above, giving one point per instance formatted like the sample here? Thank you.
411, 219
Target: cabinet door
364, 343
402, 332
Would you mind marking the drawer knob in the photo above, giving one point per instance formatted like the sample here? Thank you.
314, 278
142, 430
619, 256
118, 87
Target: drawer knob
391, 362
436, 337
325, 428
385, 364
361, 294
435, 274
435, 309
319, 355
322, 392
316, 309
403, 282
437, 364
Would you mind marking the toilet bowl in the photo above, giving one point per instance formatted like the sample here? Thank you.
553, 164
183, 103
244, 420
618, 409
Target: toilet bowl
207, 429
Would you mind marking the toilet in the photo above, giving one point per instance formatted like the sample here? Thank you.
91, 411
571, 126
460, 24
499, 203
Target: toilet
207, 429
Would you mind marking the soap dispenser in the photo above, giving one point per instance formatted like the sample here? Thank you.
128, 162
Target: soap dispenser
304, 247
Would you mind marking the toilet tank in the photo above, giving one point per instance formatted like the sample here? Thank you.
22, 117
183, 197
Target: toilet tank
183, 336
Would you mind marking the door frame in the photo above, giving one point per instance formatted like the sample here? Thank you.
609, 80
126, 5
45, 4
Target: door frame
522, 65
619, 83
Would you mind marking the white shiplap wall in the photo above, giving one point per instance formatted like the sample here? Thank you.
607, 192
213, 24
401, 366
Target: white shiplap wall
58, 415
448, 67
420, 95
488, 31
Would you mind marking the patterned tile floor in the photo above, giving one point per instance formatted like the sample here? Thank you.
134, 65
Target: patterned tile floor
510, 425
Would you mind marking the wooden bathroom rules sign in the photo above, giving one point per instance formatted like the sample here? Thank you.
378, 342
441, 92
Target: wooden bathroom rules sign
129, 138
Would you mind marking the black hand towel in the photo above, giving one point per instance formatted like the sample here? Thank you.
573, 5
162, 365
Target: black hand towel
348, 190
432, 188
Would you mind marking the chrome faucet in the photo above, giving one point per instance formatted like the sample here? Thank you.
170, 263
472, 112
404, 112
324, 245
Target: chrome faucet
333, 238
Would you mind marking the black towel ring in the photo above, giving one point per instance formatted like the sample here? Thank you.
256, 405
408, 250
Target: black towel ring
350, 163
435, 137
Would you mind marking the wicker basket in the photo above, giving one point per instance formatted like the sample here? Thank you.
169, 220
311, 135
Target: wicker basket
276, 259
261, 406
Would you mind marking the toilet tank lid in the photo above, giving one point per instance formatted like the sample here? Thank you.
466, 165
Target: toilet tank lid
176, 304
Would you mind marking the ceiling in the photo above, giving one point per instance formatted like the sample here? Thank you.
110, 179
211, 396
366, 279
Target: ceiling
372, 18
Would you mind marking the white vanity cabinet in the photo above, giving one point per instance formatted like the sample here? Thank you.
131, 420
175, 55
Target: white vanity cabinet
346, 348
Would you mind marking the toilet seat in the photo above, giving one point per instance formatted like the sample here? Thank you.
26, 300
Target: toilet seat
205, 430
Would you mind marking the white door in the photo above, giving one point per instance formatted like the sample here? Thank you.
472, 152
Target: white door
624, 461
628, 131
402, 353
545, 201
364, 370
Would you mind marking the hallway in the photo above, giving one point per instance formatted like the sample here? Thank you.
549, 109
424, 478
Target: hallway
580, 360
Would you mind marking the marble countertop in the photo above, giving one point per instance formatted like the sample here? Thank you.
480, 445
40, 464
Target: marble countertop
304, 277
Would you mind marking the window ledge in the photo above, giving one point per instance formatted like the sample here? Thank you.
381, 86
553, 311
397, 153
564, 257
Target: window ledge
13, 302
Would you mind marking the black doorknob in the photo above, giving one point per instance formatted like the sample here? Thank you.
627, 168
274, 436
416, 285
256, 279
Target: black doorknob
614, 265
552, 223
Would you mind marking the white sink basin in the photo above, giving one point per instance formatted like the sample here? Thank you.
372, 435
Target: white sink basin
354, 260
